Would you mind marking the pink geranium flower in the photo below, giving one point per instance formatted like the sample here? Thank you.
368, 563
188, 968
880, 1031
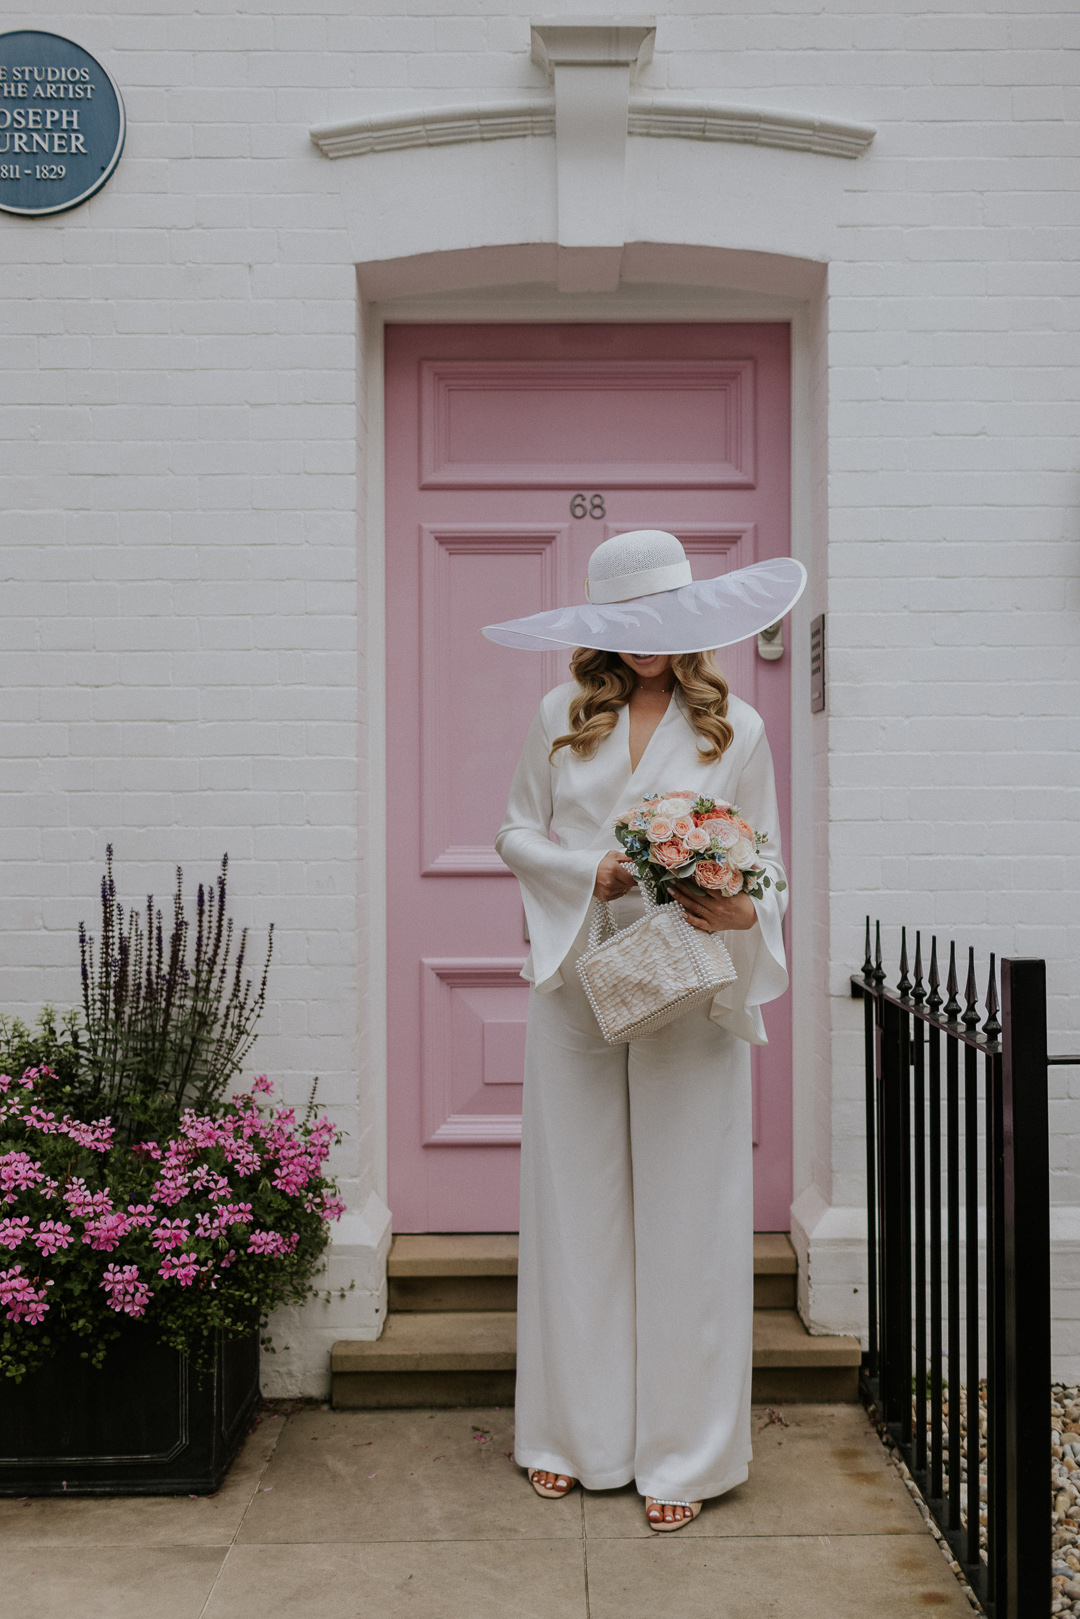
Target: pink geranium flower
20, 1298
97, 1137
272, 1243
170, 1234
127, 1294
14, 1232
182, 1268
18, 1172
38, 1119
84, 1203
104, 1232
52, 1235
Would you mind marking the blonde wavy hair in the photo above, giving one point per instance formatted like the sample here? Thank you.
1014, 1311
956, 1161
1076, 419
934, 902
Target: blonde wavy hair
605, 684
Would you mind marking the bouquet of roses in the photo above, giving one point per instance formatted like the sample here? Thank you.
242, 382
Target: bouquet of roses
684, 837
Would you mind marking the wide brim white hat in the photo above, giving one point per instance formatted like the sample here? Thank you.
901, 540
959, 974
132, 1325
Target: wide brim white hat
643, 598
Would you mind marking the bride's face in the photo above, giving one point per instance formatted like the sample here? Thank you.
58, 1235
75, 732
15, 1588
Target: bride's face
645, 667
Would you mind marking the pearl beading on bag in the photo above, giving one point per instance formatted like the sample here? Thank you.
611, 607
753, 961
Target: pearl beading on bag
642, 977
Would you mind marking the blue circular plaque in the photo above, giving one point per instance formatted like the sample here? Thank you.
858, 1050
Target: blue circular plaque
61, 123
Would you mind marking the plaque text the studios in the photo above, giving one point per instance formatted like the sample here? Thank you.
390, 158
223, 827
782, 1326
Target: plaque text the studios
61, 123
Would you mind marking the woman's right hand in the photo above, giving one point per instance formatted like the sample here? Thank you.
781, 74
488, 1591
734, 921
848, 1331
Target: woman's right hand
612, 877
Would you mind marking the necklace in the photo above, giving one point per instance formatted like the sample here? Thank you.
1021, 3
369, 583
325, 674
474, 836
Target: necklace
660, 691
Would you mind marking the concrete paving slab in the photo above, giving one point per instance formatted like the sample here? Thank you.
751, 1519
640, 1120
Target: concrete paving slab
772, 1577
371, 1476
382, 1514
403, 1580
817, 1470
145, 1520
93, 1582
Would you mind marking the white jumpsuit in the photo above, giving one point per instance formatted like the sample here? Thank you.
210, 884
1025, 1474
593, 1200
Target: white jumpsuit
635, 1279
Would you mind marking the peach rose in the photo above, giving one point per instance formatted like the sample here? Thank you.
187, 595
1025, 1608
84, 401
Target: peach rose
711, 875
668, 854
723, 830
696, 839
682, 826
659, 830
734, 883
745, 828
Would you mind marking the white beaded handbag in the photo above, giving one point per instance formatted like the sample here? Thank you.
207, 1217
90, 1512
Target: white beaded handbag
651, 972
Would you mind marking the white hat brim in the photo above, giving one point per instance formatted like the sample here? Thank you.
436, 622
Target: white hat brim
695, 618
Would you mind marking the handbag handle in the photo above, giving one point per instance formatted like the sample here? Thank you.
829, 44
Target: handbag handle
602, 924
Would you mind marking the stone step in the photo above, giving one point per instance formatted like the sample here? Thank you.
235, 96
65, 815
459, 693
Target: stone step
467, 1357
775, 1271
424, 1357
453, 1272
793, 1364
478, 1271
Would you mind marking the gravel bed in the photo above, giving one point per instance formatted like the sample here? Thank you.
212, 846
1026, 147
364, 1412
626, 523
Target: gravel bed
1065, 1496
1064, 1489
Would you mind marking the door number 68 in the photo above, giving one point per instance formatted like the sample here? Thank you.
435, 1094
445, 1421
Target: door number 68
587, 506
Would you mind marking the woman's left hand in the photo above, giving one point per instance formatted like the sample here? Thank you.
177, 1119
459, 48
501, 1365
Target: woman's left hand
711, 912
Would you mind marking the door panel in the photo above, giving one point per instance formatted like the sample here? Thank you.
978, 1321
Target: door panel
675, 424
469, 577
512, 451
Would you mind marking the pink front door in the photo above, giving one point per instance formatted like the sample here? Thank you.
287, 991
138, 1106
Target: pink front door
512, 451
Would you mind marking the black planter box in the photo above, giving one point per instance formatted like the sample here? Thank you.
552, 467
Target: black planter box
143, 1425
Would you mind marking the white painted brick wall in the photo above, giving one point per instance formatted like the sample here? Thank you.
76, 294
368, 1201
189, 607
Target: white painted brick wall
178, 443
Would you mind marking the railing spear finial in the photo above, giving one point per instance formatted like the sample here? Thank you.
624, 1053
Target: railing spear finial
868, 964
904, 982
952, 984
970, 1016
992, 1027
918, 993
933, 1000
879, 971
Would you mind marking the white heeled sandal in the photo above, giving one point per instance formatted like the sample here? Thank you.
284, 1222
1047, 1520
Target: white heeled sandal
690, 1512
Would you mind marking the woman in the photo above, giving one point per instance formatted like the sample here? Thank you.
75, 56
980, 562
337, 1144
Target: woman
635, 1281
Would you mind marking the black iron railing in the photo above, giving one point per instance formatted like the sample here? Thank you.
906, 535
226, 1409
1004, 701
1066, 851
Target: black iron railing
952, 1209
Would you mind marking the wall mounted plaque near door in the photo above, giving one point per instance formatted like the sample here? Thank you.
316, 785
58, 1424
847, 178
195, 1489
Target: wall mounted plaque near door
61, 123
817, 664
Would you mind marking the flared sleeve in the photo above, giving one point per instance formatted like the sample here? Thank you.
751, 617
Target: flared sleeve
757, 954
556, 882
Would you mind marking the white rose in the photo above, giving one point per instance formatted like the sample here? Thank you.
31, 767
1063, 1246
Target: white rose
742, 854
671, 809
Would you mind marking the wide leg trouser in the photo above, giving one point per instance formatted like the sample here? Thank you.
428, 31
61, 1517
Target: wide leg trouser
635, 1283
